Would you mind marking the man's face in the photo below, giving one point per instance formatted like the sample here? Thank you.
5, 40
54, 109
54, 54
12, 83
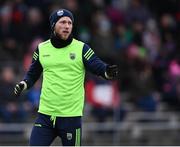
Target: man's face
63, 27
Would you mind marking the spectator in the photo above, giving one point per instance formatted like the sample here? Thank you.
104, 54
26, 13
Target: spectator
11, 110
104, 98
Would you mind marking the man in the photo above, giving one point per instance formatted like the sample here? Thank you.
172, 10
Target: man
63, 61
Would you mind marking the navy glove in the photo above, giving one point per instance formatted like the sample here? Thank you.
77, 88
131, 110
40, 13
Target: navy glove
111, 71
19, 88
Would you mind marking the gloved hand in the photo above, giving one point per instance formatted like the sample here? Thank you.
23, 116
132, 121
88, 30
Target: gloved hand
111, 71
19, 88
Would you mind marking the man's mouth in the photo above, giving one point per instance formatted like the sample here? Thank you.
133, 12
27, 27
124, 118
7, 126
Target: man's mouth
66, 32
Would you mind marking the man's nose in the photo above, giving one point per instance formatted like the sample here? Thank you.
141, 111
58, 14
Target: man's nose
67, 25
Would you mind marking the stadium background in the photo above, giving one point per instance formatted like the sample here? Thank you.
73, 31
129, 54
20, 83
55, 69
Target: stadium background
140, 36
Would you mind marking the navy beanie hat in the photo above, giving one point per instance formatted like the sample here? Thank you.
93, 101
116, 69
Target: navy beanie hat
56, 15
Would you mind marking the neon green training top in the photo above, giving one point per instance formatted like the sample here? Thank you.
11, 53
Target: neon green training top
62, 91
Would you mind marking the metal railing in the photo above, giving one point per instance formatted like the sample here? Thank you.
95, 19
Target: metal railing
129, 132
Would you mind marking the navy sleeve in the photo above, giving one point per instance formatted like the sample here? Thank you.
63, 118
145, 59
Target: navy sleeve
34, 71
92, 63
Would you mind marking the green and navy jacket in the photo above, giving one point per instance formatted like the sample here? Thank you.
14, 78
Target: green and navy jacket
62, 93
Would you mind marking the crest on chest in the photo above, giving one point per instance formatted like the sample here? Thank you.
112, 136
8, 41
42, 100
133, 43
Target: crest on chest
72, 56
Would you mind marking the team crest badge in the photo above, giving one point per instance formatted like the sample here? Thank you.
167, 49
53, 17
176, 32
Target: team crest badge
69, 136
60, 12
72, 56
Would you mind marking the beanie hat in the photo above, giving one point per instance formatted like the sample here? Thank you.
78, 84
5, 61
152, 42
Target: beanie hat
56, 15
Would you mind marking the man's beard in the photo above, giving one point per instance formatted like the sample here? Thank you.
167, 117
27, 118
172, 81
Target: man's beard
61, 36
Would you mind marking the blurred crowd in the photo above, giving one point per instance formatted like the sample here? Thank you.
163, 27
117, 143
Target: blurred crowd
140, 36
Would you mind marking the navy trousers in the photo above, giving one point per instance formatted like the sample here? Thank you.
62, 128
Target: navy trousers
47, 128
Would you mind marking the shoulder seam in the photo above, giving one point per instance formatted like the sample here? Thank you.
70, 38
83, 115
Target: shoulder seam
43, 43
47, 41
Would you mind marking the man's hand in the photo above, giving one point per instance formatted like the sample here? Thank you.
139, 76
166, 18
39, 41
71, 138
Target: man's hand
111, 71
19, 88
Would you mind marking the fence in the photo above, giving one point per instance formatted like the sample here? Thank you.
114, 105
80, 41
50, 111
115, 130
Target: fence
162, 129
